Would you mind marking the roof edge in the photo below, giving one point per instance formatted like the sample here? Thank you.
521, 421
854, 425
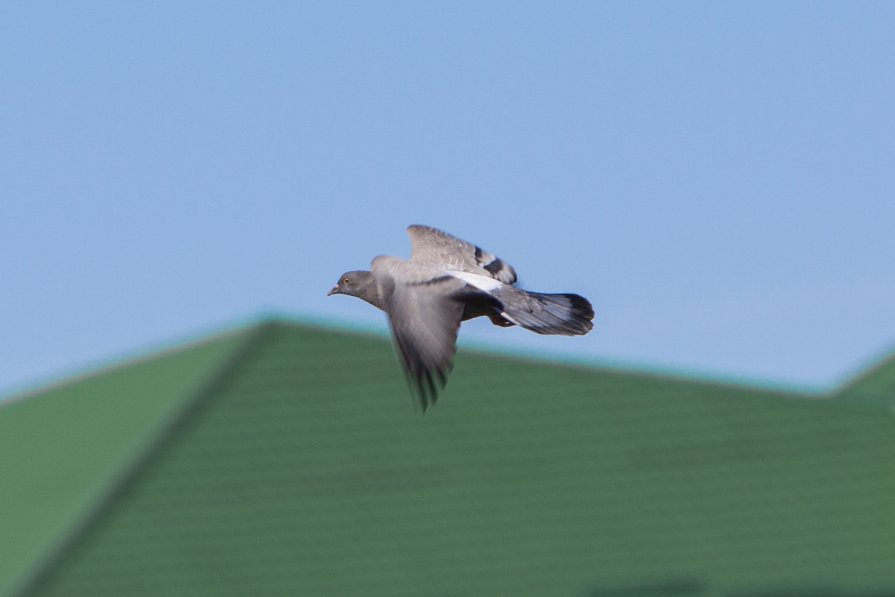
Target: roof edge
872, 385
130, 357
597, 364
283, 318
872, 366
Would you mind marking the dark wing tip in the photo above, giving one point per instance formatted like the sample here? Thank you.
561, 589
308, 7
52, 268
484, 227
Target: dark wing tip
425, 379
425, 385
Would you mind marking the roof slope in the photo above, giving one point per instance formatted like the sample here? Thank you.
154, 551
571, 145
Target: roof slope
64, 447
304, 470
875, 387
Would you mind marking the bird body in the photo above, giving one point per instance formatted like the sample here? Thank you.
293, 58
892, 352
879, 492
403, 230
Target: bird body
446, 281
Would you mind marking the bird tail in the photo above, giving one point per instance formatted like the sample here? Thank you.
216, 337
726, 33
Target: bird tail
560, 314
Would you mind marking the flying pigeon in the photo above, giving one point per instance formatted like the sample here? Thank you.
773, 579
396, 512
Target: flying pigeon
446, 281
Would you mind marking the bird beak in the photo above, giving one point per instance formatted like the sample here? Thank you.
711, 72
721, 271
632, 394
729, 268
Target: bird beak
335, 290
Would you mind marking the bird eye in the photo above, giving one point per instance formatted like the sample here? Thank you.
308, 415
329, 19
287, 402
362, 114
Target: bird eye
344, 280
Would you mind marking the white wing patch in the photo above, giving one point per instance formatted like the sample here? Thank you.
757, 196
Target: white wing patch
485, 283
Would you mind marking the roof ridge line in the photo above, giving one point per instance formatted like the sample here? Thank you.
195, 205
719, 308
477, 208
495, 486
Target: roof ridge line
568, 359
854, 382
134, 466
126, 358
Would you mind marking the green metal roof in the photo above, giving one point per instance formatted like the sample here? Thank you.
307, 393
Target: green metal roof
288, 460
64, 448
875, 387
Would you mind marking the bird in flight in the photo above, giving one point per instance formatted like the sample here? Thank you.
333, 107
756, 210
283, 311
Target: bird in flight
446, 281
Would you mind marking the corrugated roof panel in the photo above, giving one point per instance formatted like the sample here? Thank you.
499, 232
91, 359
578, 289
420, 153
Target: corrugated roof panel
876, 387
309, 473
61, 449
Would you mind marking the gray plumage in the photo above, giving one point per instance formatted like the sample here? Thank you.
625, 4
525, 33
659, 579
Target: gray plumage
446, 281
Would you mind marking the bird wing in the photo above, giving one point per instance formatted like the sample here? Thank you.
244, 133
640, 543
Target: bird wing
431, 245
424, 315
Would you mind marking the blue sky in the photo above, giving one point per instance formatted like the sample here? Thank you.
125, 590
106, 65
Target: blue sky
718, 178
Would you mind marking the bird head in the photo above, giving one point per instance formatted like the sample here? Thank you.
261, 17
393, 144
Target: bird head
351, 283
